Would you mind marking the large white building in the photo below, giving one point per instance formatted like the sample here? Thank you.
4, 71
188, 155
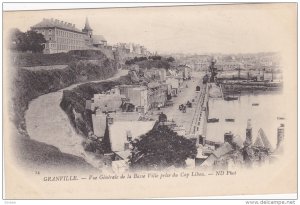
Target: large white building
62, 36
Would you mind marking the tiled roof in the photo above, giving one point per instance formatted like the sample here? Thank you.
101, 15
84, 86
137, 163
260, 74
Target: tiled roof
224, 149
124, 154
262, 140
98, 39
238, 140
119, 129
258, 142
45, 23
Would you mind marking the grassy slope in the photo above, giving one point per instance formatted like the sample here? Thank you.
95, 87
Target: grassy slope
82, 66
31, 84
36, 155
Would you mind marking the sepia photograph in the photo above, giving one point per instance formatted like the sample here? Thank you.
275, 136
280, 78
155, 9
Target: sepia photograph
129, 102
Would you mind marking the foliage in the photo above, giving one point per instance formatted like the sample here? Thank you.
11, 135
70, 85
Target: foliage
28, 41
155, 57
29, 84
154, 64
170, 59
160, 148
134, 60
151, 61
76, 99
41, 156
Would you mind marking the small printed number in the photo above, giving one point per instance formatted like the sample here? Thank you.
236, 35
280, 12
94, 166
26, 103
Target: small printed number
9, 202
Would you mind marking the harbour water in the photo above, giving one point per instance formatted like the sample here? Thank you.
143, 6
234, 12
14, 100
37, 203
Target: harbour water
269, 106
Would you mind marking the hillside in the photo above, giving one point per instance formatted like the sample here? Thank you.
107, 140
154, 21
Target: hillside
151, 62
75, 100
40, 156
80, 66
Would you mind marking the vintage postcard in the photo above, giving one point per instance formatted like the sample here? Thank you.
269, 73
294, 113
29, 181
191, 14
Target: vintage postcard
148, 102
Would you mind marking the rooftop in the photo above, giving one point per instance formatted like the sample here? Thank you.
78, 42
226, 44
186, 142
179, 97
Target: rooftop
124, 154
262, 140
224, 149
87, 26
153, 84
118, 132
55, 23
98, 39
125, 116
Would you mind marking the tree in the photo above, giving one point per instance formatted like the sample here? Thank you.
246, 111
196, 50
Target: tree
155, 57
28, 41
17, 40
170, 59
160, 148
35, 41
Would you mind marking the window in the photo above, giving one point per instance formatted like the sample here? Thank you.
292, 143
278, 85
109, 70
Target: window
50, 31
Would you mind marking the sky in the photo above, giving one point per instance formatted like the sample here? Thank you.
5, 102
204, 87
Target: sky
190, 29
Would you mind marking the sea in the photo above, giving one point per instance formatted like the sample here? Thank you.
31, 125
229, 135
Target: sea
270, 108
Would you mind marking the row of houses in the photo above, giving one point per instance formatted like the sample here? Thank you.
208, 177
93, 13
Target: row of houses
123, 110
63, 36
132, 48
252, 74
234, 152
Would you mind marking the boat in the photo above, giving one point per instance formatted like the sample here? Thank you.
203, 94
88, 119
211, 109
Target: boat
229, 120
255, 104
280, 118
227, 98
211, 120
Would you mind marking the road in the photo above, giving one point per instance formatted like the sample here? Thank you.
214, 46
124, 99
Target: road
187, 94
47, 122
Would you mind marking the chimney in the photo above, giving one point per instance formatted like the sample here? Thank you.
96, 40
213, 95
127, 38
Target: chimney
202, 140
228, 137
249, 132
280, 135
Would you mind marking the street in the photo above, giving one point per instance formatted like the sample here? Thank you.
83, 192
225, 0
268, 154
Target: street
186, 120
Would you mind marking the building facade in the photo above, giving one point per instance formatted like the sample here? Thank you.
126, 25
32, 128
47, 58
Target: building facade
107, 102
61, 36
137, 95
157, 95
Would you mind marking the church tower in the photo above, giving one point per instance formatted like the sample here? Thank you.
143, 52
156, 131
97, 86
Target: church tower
87, 29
